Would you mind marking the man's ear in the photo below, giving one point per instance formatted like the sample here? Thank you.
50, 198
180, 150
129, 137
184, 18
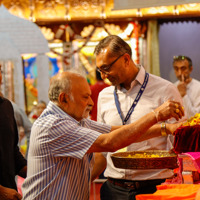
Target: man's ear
127, 58
191, 68
63, 97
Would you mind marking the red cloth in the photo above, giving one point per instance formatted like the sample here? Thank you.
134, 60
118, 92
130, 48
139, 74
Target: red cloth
187, 139
96, 88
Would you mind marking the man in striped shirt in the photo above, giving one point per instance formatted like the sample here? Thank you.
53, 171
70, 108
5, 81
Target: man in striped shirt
63, 140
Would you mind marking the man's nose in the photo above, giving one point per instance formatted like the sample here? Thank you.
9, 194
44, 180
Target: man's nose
104, 75
179, 72
91, 102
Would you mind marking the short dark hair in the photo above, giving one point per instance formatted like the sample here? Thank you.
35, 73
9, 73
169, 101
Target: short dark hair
181, 58
117, 46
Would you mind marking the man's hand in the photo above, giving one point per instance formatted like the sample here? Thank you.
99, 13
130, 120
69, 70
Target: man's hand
171, 128
182, 88
9, 194
169, 109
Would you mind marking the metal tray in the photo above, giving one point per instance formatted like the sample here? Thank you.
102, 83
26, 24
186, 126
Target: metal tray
149, 159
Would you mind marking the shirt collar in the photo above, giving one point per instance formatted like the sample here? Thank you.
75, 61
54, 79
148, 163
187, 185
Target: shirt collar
138, 80
140, 76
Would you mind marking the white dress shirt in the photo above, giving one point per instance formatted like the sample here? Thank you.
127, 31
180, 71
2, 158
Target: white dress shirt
191, 101
157, 91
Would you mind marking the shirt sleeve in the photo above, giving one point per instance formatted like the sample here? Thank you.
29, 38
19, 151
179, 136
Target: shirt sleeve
69, 139
189, 107
97, 126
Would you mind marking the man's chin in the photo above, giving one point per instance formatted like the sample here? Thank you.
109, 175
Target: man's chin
86, 115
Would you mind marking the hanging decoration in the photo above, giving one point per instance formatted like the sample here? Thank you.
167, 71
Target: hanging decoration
131, 29
66, 28
90, 69
72, 10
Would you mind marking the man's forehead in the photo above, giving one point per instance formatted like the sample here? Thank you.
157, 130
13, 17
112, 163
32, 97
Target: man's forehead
181, 63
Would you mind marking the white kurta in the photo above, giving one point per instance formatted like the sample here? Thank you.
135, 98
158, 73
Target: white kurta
191, 101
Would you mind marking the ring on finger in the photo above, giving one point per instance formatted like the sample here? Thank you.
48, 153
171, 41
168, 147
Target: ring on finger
177, 110
176, 105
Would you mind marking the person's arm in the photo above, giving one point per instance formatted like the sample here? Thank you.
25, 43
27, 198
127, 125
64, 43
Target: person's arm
131, 133
156, 130
9, 194
100, 160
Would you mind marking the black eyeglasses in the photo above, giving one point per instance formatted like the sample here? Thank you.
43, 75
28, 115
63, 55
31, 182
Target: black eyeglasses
105, 68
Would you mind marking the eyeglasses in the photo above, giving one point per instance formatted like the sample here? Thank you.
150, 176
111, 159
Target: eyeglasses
106, 68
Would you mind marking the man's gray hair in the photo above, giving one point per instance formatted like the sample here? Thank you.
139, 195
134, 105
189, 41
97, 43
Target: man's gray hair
59, 84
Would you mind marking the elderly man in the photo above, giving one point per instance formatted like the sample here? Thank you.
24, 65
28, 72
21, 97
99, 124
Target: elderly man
188, 87
133, 93
63, 140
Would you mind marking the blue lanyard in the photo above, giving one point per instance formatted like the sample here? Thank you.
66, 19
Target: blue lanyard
135, 101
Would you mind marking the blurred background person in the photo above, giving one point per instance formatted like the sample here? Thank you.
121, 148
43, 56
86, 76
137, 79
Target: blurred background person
23, 124
12, 162
37, 111
40, 107
24, 128
188, 87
